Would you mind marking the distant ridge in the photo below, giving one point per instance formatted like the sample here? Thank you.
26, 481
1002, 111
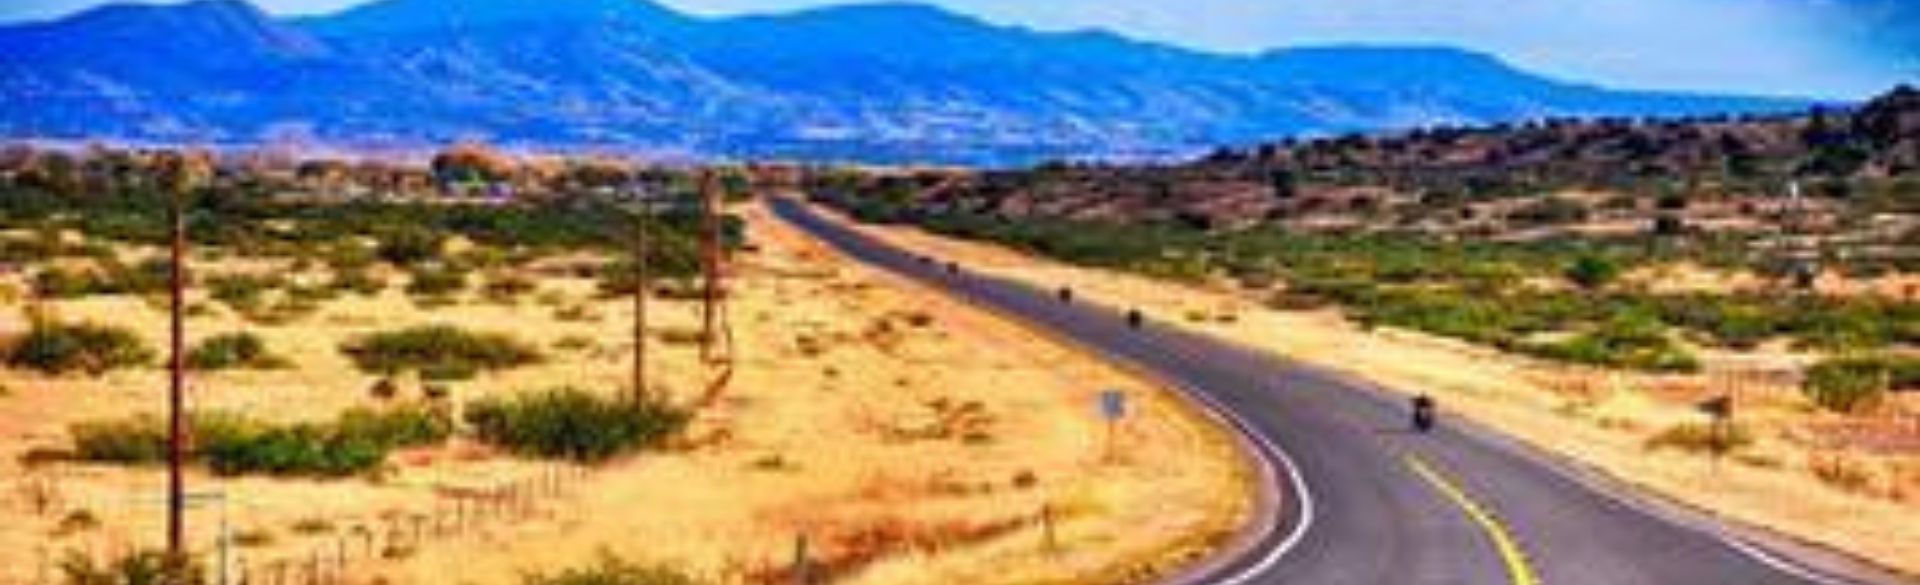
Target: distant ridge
883, 82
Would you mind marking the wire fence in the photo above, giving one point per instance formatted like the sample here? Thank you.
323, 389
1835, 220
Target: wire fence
347, 550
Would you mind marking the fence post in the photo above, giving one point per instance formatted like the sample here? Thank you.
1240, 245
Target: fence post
800, 561
313, 566
1048, 542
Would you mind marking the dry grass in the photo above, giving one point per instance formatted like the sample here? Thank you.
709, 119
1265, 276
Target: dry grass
1852, 481
913, 440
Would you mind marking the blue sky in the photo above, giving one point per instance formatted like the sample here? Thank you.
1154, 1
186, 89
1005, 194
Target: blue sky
1781, 47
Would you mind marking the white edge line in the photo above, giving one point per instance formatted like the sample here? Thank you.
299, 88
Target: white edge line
1777, 563
1300, 490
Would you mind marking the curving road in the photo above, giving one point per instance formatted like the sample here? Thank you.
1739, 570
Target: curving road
1355, 498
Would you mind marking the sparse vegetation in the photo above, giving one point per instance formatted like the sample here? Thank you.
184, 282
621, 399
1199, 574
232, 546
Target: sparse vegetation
445, 351
509, 288
234, 350
357, 441
1850, 383
60, 348
138, 568
572, 424
1593, 272
437, 282
113, 278
1701, 438
613, 571
138, 441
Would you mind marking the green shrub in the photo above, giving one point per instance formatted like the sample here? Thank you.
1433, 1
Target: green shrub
437, 282
57, 348
138, 441
439, 349
294, 450
112, 278
406, 245
1847, 384
246, 293
1593, 272
358, 441
572, 424
233, 350
139, 568
1628, 340
358, 281
613, 571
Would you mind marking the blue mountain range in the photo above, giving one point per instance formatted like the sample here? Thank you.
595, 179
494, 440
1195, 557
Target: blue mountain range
878, 83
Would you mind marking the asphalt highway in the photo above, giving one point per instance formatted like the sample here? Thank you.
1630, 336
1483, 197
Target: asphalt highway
1355, 497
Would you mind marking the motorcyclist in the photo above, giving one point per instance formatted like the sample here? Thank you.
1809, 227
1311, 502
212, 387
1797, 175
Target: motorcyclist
1425, 411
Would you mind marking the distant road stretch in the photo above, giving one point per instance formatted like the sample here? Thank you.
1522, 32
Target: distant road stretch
1360, 500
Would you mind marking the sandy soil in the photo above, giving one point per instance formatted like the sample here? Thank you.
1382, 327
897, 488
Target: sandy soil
1847, 482
908, 438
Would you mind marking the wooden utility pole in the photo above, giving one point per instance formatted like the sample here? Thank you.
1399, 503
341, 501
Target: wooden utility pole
176, 367
643, 283
710, 263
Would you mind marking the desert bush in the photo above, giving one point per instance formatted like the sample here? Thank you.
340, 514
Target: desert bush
613, 571
411, 426
292, 450
1841, 471
437, 282
358, 281
1700, 438
405, 245
1849, 383
358, 441
113, 278
1550, 211
572, 424
1593, 272
1627, 340
138, 568
508, 288
233, 350
138, 441
244, 292
437, 348
60, 348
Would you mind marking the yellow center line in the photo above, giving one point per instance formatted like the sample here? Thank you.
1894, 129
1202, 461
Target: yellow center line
1519, 569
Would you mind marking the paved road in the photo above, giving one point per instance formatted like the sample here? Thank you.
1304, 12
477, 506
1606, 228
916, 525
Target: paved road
1357, 499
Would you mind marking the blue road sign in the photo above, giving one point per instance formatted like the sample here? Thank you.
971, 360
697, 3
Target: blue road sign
1113, 404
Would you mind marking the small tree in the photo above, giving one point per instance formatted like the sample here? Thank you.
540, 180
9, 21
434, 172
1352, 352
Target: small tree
1593, 272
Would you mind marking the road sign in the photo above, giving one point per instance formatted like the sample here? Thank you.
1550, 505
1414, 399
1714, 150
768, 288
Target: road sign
1113, 405
1718, 408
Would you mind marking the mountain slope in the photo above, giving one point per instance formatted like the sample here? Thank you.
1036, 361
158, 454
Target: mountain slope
877, 82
